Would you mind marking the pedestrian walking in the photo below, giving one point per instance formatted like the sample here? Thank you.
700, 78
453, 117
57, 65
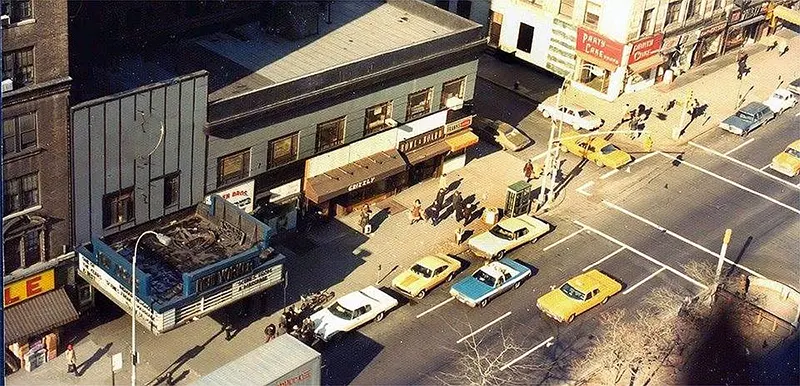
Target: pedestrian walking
281, 329
528, 170
443, 182
438, 206
363, 222
416, 212
458, 206
634, 125
269, 332
468, 210
71, 366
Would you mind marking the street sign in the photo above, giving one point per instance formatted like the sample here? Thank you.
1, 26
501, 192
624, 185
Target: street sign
116, 362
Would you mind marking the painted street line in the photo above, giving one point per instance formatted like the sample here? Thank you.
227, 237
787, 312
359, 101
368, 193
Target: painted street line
544, 154
567, 237
712, 151
643, 158
765, 166
484, 327
598, 262
652, 275
545, 343
435, 307
642, 254
764, 196
677, 236
609, 174
735, 148
586, 185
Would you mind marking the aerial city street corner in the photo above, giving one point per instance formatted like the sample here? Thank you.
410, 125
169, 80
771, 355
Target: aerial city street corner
401, 192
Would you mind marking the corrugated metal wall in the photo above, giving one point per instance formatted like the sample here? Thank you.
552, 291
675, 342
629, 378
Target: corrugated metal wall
118, 143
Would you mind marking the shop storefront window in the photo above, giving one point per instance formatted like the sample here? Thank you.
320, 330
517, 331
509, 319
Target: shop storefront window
21, 193
118, 207
673, 12
233, 167
376, 116
452, 89
419, 103
592, 15
330, 134
282, 150
595, 77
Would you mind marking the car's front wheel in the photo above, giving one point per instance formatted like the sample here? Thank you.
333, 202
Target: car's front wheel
517, 284
545, 113
449, 278
379, 317
571, 318
483, 303
500, 254
421, 294
599, 163
605, 300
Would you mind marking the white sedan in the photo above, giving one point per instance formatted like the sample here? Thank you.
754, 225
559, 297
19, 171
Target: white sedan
351, 311
506, 235
781, 100
578, 117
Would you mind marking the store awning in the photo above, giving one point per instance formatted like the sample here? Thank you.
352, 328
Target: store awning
425, 153
597, 62
354, 175
646, 64
39, 314
747, 22
462, 141
790, 15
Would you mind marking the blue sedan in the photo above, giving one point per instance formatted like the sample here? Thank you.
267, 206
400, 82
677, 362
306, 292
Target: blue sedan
489, 281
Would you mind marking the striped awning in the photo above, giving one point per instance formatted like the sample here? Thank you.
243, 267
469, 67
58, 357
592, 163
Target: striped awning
790, 15
39, 314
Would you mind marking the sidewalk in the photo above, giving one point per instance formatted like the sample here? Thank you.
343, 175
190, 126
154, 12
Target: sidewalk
713, 83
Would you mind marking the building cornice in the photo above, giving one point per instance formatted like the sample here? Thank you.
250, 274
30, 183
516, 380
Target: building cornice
37, 91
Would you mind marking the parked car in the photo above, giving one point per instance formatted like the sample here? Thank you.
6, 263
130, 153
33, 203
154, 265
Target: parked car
794, 86
351, 311
509, 137
578, 295
747, 119
788, 161
489, 281
506, 235
577, 116
426, 274
780, 100
595, 149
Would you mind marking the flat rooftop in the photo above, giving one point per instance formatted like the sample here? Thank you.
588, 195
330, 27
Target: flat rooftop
246, 58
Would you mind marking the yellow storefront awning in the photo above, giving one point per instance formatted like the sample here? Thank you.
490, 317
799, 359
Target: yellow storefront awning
462, 141
790, 15
646, 64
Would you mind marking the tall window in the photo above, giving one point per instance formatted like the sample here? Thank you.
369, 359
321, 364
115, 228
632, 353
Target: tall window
282, 150
419, 104
717, 4
464, 8
673, 11
18, 66
525, 38
17, 10
233, 167
21, 193
567, 7
19, 133
647, 20
452, 89
23, 250
118, 207
443, 4
375, 117
330, 134
494, 29
693, 8
171, 190
592, 15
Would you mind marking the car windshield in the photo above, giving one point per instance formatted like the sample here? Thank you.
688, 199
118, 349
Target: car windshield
484, 278
779, 97
793, 152
608, 149
339, 311
422, 271
584, 113
505, 129
745, 115
501, 232
571, 292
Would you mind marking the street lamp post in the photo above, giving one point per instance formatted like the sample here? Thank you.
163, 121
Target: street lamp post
163, 239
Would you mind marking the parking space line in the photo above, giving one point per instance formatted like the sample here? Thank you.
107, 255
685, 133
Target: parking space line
567, 237
741, 145
765, 166
643, 158
609, 174
598, 262
484, 327
677, 236
642, 254
746, 189
435, 307
586, 185
538, 346
712, 151
652, 275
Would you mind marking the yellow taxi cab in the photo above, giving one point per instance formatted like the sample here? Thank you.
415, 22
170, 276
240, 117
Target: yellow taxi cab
426, 274
578, 295
594, 149
788, 161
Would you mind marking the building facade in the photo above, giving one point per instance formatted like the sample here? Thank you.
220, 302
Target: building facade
40, 291
475, 10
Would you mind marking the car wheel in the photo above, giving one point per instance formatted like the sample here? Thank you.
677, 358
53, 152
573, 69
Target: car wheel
421, 294
605, 300
449, 278
545, 113
483, 303
571, 318
599, 163
534, 240
379, 317
562, 148
517, 284
500, 254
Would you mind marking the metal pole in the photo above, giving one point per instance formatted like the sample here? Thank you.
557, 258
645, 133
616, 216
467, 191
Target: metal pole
548, 159
725, 240
133, 306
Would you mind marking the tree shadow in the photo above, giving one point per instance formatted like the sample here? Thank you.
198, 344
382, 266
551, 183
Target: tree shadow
91, 360
739, 256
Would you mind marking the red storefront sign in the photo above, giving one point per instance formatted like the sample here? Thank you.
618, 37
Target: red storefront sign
593, 44
646, 47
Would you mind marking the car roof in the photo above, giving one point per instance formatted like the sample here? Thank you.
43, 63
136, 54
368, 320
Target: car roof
492, 270
353, 300
783, 92
586, 281
431, 262
513, 223
795, 145
754, 107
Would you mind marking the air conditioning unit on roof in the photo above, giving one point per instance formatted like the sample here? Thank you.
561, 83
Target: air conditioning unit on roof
454, 103
5, 20
8, 85
390, 122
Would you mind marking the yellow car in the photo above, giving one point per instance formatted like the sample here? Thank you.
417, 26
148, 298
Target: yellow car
595, 149
788, 162
578, 295
425, 274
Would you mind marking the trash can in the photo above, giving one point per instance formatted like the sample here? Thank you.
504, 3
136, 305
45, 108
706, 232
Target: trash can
491, 216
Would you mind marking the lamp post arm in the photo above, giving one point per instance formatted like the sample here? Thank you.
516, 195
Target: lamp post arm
133, 305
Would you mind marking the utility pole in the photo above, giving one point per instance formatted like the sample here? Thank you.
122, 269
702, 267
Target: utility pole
548, 163
676, 132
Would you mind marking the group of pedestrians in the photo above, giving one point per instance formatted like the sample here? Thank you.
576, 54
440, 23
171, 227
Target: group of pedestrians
434, 213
